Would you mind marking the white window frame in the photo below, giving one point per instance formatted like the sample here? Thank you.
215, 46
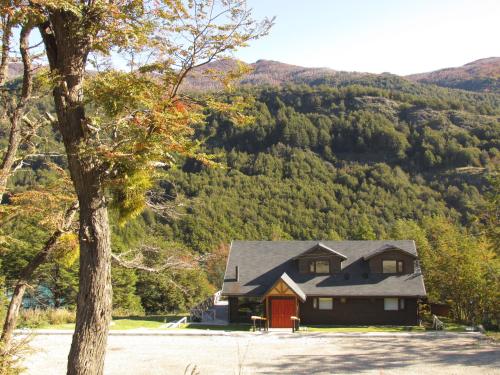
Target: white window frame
327, 263
391, 304
392, 261
325, 303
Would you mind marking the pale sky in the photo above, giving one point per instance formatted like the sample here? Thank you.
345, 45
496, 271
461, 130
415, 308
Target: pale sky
397, 36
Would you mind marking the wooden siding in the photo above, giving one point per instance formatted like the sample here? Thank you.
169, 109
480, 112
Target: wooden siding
281, 289
360, 311
376, 262
354, 311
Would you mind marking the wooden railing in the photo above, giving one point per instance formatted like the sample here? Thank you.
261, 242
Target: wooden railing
177, 323
437, 324
201, 310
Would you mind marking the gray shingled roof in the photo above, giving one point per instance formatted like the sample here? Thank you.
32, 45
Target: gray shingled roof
386, 247
261, 264
324, 247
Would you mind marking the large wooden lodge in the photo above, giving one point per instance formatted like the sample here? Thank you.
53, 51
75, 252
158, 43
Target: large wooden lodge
328, 282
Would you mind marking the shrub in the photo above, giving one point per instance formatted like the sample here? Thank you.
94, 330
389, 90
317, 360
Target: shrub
10, 360
35, 318
61, 316
122, 312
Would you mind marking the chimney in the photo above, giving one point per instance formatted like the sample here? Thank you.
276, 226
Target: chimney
237, 273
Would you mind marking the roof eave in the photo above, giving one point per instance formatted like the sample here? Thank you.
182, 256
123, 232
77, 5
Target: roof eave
336, 253
391, 248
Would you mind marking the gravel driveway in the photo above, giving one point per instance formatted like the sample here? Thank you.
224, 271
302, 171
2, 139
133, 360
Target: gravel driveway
279, 353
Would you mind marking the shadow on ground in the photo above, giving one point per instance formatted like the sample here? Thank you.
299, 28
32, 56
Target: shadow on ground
363, 355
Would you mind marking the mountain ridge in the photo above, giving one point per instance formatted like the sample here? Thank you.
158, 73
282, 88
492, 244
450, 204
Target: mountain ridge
481, 75
478, 76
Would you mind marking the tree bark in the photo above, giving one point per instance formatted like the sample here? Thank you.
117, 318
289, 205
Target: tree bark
15, 116
4, 58
26, 275
67, 42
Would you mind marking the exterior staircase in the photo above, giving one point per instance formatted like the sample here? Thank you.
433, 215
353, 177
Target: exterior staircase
212, 311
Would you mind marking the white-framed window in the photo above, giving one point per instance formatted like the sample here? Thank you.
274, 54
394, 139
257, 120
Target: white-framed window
390, 304
392, 266
389, 266
322, 266
325, 303
319, 266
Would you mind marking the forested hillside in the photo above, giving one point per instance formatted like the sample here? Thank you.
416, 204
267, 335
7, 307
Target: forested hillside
328, 163
325, 161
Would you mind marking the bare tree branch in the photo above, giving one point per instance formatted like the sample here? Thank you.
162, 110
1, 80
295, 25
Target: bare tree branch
136, 259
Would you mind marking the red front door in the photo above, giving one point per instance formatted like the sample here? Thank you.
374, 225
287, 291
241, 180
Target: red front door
281, 311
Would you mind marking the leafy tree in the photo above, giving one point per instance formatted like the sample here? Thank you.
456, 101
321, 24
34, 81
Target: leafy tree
458, 268
172, 292
146, 127
215, 266
53, 209
364, 230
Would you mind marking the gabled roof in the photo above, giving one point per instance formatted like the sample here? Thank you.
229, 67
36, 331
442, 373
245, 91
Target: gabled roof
321, 246
387, 247
261, 263
291, 284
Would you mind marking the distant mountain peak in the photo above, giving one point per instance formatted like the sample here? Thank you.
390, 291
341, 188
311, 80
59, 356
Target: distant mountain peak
479, 75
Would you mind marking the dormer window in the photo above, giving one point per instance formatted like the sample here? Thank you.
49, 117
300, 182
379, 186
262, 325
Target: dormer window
392, 266
319, 266
319, 259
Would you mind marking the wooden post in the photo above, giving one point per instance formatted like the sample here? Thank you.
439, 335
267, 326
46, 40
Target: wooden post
267, 313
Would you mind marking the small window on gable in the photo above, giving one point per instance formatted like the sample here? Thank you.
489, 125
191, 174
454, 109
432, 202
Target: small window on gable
390, 304
319, 266
322, 266
389, 266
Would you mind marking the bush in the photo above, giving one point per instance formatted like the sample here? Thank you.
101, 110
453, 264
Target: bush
61, 316
10, 360
122, 312
35, 318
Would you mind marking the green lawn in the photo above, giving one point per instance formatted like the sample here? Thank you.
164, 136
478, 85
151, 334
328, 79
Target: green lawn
130, 322
319, 328
157, 321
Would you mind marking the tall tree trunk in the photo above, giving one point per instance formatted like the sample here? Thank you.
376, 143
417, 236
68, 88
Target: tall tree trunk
67, 42
27, 274
94, 296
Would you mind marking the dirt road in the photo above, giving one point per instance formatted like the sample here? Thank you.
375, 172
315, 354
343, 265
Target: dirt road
279, 353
